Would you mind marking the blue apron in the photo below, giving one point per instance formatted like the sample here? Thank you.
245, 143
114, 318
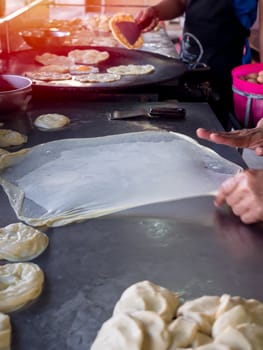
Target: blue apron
246, 12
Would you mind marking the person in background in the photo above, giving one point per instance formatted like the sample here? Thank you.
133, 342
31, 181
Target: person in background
222, 30
244, 191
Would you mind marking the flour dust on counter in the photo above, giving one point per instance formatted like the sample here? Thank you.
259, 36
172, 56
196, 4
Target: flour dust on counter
206, 323
68, 180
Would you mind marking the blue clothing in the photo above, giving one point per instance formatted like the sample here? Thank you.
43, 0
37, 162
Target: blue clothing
246, 12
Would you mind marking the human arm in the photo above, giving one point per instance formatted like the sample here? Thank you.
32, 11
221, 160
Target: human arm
260, 16
244, 138
244, 194
164, 10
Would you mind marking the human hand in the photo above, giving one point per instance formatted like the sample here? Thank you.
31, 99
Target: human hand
147, 19
245, 138
244, 194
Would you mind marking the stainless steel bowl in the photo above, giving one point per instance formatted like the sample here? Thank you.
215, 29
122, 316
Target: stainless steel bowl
39, 38
15, 92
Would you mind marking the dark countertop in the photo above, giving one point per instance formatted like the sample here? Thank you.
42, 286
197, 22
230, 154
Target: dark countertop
188, 246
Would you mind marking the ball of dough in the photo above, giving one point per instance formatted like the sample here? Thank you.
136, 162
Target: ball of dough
20, 283
11, 138
51, 121
20, 242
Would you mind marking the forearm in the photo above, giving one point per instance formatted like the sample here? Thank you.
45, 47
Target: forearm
260, 9
169, 9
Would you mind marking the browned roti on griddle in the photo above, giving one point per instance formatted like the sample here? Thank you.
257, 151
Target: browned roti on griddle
89, 56
47, 76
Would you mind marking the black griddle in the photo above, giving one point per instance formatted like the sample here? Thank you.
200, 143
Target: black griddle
166, 68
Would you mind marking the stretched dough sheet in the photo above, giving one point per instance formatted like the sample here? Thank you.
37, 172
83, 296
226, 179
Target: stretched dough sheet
69, 180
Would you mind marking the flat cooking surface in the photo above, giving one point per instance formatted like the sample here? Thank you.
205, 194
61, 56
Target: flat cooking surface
187, 246
166, 68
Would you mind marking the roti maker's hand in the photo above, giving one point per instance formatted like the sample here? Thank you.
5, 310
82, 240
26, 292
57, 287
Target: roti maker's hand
147, 19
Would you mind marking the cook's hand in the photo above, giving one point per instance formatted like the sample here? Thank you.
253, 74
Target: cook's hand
147, 19
245, 138
244, 194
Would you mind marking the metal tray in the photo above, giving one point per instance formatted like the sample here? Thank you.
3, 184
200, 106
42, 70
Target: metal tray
166, 68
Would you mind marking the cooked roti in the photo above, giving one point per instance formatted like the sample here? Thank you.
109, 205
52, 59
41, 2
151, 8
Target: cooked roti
131, 69
47, 76
89, 56
97, 78
83, 69
53, 59
124, 17
51, 121
54, 68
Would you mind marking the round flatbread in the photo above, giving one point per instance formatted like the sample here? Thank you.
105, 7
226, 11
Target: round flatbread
53, 59
48, 76
98, 78
113, 24
54, 68
89, 56
132, 69
83, 69
20, 283
11, 138
51, 121
20, 242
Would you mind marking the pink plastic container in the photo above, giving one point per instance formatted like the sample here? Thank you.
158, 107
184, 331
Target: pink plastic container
248, 97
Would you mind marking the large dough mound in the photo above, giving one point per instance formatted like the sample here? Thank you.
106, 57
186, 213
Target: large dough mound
20, 283
20, 242
118, 333
205, 323
148, 296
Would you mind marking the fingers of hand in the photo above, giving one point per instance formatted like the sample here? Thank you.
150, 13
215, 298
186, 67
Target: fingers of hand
242, 195
259, 151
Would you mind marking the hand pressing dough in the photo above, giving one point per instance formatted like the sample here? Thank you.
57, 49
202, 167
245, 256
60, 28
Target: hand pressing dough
20, 283
20, 242
119, 333
11, 138
51, 121
149, 297
5, 332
